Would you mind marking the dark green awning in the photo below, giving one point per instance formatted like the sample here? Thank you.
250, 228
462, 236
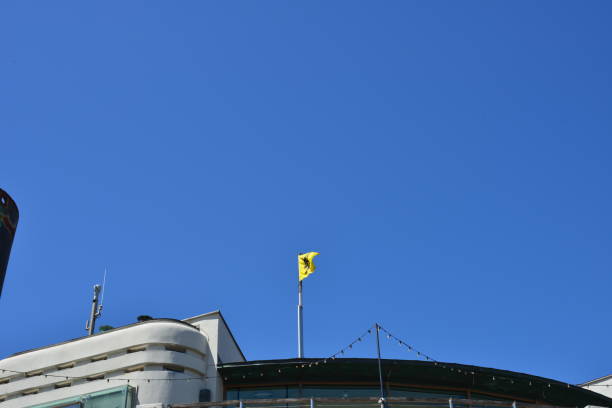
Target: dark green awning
410, 373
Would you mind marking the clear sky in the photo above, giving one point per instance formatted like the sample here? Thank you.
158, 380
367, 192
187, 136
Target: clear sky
450, 160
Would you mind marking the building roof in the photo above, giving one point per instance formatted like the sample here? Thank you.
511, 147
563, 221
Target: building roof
411, 373
218, 312
596, 380
105, 332
184, 322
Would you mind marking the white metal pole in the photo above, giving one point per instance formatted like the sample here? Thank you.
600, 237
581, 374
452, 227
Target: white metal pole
300, 322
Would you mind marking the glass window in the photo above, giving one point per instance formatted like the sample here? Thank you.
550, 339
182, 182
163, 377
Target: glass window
293, 392
232, 395
118, 397
425, 393
343, 392
173, 347
261, 393
486, 397
340, 392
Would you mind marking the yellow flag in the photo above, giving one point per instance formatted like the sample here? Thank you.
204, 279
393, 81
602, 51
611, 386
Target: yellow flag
305, 264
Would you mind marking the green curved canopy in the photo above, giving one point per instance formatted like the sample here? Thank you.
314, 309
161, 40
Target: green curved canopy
410, 373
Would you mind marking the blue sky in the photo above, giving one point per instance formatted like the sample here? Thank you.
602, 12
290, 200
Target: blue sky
450, 161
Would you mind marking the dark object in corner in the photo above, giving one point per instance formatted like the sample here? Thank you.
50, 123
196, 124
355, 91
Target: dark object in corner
9, 215
204, 395
105, 328
144, 318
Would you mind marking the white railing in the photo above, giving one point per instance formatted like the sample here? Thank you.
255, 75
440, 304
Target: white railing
391, 402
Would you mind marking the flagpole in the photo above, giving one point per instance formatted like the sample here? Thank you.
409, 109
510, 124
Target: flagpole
300, 322
305, 268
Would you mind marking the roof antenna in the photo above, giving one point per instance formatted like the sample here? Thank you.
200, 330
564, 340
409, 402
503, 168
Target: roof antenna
103, 290
96, 311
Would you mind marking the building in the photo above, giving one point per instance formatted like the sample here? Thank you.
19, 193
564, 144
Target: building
601, 385
177, 360
164, 362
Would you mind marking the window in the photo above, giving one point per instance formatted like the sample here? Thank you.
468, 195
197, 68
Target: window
4, 380
134, 369
424, 393
116, 397
178, 349
65, 366
99, 358
340, 392
486, 397
34, 373
174, 368
95, 377
335, 391
30, 392
232, 395
136, 349
204, 395
63, 384
259, 393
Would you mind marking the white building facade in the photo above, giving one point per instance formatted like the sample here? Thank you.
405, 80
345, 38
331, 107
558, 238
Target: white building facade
601, 385
147, 364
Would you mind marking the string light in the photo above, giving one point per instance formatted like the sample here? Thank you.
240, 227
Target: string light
411, 348
404, 344
323, 361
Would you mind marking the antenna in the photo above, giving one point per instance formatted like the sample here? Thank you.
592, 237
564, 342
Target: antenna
96, 310
103, 290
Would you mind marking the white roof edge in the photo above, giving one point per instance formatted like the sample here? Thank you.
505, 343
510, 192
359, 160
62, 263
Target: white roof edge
222, 319
203, 315
605, 377
95, 335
